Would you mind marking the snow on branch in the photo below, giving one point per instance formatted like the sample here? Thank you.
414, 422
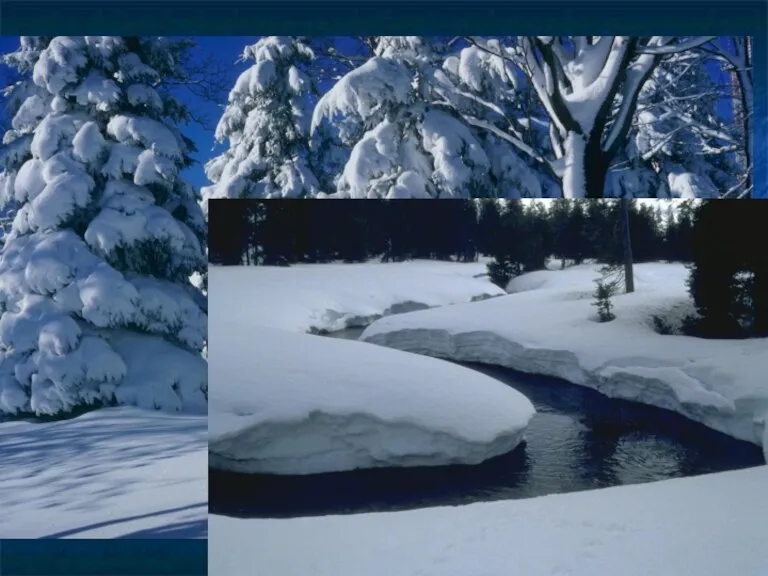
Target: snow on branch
664, 48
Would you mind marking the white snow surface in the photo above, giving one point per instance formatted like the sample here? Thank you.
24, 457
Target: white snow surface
690, 185
711, 525
333, 297
111, 473
288, 403
548, 326
708, 525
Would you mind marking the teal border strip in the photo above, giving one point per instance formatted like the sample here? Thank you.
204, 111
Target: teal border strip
104, 557
341, 17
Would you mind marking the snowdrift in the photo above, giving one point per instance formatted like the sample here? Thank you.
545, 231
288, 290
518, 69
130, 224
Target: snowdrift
548, 326
287, 403
331, 297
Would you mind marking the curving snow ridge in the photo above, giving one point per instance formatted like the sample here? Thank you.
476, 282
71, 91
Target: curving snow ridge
298, 404
547, 326
333, 297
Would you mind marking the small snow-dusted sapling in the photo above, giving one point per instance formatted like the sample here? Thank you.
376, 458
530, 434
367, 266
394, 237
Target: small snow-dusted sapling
603, 293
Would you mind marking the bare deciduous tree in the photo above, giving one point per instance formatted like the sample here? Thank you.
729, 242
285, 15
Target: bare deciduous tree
589, 88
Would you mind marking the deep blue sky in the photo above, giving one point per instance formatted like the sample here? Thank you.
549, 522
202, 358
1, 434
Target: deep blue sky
225, 50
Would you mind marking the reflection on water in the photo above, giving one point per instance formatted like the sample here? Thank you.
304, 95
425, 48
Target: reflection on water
578, 440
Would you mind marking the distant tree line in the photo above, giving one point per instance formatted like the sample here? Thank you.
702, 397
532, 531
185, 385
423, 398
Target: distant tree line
522, 234
723, 242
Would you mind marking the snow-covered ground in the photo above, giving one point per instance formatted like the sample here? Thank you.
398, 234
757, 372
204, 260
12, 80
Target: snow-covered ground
336, 296
712, 525
288, 403
111, 473
548, 326
709, 525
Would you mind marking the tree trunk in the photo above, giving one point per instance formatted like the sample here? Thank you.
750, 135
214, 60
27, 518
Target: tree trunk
596, 164
585, 167
742, 78
574, 170
629, 274
747, 109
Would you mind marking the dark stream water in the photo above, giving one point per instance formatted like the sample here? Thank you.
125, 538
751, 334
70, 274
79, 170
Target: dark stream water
578, 440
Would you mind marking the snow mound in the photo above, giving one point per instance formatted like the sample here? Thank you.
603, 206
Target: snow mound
689, 185
331, 297
298, 404
547, 326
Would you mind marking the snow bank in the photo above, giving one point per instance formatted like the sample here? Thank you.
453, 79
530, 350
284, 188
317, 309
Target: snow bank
298, 404
707, 525
332, 297
113, 473
765, 441
547, 326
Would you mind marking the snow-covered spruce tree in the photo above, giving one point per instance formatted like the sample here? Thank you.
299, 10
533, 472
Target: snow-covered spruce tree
403, 143
95, 300
266, 122
19, 91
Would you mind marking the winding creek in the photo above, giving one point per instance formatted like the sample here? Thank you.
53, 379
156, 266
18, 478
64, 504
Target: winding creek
578, 440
